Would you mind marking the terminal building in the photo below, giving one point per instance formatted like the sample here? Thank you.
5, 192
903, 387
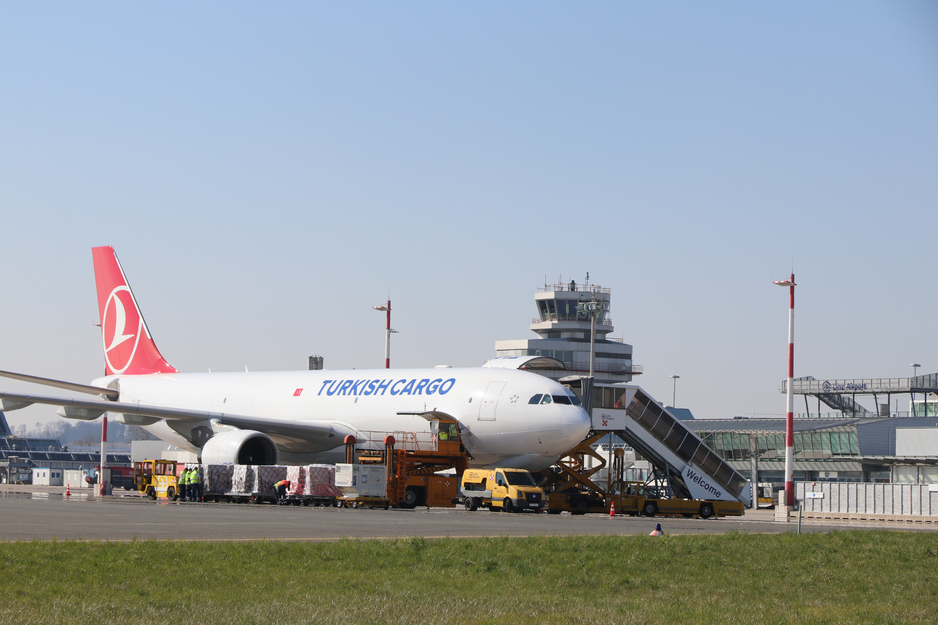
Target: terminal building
20, 455
849, 444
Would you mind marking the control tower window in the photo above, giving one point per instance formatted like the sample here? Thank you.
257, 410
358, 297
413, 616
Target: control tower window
566, 309
547, 309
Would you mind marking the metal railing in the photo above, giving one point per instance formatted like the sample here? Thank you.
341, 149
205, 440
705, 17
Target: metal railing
833, 415
607, 321
579, 288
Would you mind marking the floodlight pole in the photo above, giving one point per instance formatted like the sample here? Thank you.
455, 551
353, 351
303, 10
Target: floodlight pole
790, 396
387, 338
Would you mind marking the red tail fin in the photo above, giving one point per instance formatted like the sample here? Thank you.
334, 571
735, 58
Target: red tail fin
128, 347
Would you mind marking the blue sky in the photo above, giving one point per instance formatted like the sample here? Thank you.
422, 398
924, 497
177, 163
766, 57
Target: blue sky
267, 173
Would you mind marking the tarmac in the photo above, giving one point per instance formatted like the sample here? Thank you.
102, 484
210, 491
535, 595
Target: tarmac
30, 512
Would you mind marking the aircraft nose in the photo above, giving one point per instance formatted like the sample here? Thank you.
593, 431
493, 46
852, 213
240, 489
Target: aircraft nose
574, 423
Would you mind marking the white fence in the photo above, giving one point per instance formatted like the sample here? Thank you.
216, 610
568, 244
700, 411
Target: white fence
865, 498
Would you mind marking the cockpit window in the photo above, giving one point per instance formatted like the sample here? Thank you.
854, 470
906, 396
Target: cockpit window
545, 399
561, 399
536, 399
573, 398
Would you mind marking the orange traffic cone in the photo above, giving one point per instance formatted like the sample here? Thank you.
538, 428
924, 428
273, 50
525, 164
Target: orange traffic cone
612, 509
68, 490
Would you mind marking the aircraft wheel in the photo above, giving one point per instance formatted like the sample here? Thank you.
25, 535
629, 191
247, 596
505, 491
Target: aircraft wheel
706, 511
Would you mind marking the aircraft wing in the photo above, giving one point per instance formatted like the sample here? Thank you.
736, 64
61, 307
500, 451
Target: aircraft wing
69, 386
143, 414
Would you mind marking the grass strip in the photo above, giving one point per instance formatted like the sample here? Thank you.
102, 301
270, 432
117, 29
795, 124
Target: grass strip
841, 577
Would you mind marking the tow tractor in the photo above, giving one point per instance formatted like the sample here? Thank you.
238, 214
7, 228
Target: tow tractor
157, 478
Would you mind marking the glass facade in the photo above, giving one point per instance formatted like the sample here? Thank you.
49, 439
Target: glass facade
560, 310
563, 355
606, 397
808, 445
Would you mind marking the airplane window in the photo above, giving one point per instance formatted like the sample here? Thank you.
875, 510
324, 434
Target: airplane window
561, 399
573, 398
536, 399
546, 399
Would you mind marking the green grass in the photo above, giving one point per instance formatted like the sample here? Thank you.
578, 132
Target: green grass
842, 577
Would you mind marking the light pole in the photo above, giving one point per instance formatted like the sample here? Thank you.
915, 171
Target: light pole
388, 331
915, 367
790, 397
675, 378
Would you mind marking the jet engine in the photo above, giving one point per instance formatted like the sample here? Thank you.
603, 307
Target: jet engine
240, 447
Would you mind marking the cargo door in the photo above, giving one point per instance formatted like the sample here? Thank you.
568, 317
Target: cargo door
490, 401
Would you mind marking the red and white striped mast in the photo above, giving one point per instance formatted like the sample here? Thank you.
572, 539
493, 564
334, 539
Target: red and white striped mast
103, 464
790, 397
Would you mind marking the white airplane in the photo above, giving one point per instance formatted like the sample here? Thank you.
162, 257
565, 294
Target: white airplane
506, 417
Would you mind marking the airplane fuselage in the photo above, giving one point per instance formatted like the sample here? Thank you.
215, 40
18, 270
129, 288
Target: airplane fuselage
499, 423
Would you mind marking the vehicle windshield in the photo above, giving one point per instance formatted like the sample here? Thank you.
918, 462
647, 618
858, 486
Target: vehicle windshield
519, 478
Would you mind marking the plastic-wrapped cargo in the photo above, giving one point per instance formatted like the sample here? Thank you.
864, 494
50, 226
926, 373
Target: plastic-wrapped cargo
217, 477
244, 478
297, 477
320, 481
267, 476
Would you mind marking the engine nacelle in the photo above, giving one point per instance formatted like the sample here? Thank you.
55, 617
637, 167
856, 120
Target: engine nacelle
240, 447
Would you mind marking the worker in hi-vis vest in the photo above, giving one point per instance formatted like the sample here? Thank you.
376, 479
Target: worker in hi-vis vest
281, 489
195, 484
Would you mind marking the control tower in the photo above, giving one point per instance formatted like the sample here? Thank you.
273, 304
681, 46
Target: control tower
564, 323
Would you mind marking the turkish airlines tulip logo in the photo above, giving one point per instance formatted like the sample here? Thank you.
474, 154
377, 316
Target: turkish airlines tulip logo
121, 325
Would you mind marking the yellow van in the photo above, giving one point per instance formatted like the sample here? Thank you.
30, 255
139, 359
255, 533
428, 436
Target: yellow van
511, 490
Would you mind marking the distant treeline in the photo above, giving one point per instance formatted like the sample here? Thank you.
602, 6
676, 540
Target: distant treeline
84, 432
